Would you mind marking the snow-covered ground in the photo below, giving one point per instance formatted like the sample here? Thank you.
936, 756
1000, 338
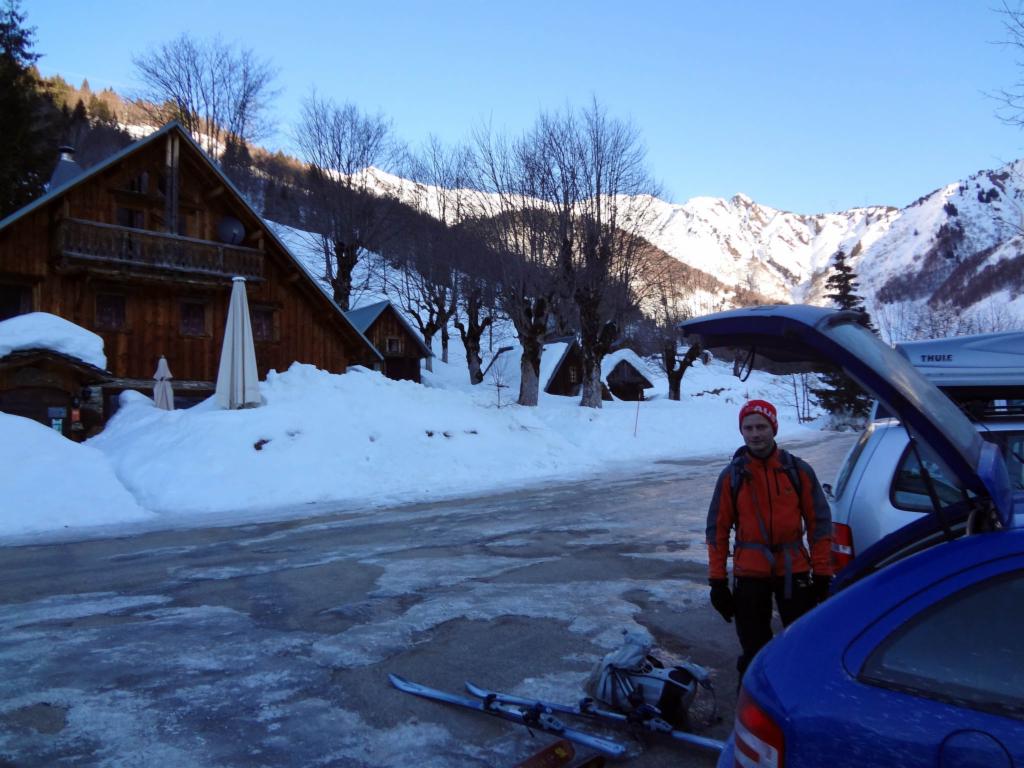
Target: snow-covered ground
359, 440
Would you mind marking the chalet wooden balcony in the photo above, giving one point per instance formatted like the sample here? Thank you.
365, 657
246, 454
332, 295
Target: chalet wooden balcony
139, 248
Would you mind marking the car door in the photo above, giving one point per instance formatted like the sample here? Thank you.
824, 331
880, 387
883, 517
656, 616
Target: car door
940, 679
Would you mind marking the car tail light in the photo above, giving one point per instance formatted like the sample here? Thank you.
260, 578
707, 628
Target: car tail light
757, 738
842, 546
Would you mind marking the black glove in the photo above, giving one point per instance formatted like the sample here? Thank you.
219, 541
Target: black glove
821, 585
721, 598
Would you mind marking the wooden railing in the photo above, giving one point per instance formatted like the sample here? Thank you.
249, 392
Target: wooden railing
93, 241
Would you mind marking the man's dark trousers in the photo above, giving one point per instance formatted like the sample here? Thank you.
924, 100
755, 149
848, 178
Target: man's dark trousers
753, 600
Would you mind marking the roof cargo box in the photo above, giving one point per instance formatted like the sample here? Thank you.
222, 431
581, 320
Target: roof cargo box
988, 359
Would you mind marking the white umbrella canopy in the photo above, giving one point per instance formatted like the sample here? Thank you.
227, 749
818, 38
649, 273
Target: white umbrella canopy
237, 380
163, 394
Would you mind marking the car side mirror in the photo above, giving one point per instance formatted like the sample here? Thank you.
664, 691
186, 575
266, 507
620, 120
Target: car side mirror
827, 488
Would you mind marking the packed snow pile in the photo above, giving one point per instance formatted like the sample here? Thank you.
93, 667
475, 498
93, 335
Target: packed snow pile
357, 440
53, 484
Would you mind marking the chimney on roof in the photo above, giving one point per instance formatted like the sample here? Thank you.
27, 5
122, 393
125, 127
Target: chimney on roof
66, 168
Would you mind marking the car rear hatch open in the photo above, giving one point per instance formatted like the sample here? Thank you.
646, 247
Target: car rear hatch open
819, 337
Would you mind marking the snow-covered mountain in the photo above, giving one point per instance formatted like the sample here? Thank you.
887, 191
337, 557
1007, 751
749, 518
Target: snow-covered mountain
960, 247
961, 244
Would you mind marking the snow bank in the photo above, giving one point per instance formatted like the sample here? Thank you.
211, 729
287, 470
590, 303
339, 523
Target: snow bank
51, 483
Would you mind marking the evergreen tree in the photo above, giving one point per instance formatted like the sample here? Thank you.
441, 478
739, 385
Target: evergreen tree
28, 151
840, 395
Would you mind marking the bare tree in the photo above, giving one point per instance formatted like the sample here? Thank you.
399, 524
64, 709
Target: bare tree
669, 312
217, 91
442, 178
353, 204
423, 284
594, 178
476, 313
1011, 110
911, 321
512, 222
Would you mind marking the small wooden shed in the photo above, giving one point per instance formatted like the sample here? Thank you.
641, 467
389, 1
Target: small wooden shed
566, 378
55, 389
393, 337
622, 373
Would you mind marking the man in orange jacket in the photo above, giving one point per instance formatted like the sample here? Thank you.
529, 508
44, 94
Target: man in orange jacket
772, 499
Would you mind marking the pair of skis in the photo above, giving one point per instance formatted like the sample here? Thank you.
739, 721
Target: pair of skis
539, 714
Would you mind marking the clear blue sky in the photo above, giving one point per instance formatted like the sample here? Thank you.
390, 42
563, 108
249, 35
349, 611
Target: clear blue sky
804, 105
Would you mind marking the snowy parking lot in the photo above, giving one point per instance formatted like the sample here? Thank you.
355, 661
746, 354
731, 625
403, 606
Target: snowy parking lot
269, 644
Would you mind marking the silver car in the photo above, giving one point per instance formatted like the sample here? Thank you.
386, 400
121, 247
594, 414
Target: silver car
883, 483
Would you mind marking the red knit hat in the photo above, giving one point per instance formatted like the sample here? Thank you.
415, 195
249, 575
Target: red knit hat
762, 408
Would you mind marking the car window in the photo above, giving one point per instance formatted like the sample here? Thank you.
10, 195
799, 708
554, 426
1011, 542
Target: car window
909, 490
851, 461
979, 669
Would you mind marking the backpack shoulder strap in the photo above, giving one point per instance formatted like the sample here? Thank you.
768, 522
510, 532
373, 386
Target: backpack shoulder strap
790, 463
737, 470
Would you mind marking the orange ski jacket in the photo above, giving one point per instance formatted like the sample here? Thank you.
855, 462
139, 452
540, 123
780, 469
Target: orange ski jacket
772, 503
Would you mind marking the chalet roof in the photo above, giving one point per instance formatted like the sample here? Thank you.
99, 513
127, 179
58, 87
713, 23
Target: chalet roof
569, 343
363, 317
632, 368
176, 127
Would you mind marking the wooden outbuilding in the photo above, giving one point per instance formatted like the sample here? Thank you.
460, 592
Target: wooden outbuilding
393, 337
141, 250
622, 373
566, 378
55, 389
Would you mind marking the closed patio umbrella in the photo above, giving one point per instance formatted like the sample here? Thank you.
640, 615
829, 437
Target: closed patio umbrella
163, 394
237, 380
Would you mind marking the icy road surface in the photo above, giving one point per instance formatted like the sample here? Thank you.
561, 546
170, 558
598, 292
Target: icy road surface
270, 644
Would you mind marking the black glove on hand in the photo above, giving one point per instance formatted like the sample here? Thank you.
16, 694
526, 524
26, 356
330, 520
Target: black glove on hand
821, 586
721, 598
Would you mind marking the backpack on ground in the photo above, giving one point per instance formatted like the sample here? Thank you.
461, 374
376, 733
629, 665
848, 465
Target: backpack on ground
632, 678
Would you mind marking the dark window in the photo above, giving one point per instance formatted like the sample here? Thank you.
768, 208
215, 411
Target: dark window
394, 345
932, 654
193, 318
909, 491
14, 300
139, 183
909, 488
263, 324
130, 217
110, 315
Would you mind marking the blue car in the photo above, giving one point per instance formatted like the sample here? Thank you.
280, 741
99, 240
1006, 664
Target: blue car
917, 658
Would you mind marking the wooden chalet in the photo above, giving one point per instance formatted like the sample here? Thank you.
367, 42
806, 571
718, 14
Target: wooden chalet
393, 337
141, 250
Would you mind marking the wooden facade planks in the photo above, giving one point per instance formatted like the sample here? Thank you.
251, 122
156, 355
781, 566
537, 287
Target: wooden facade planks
132, 251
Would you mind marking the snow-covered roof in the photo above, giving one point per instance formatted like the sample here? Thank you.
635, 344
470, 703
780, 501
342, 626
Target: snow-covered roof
552, 358
41, 330
612, 359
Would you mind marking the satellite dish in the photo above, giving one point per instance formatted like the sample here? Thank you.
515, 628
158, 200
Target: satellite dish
230, 230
